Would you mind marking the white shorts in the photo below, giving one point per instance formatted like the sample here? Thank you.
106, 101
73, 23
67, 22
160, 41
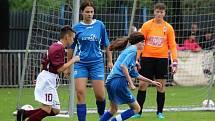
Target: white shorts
46, 91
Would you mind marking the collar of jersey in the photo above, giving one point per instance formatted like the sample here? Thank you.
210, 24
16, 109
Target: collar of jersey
162, 22
133, 46
93, 21
59, 42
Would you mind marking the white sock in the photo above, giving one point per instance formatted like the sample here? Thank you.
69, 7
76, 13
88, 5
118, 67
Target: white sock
119, 118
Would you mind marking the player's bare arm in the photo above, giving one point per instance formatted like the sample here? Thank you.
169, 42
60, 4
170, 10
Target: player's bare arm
128, 77
69, 63
67, 72
109, 58
69, 53
142, 78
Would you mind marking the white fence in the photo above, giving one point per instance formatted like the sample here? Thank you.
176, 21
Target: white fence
194, 68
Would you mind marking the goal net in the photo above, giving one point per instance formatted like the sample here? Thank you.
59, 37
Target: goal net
195, 77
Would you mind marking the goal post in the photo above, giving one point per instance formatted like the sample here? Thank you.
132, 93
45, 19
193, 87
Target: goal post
76, 5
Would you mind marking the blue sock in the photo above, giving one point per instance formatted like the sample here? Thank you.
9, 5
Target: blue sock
106, 116
81, 112
124, 115
101, 107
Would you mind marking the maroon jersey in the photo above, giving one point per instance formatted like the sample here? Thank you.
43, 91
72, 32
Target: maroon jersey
55, 58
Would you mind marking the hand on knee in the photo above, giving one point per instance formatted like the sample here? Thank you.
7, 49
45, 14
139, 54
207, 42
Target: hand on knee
161, 90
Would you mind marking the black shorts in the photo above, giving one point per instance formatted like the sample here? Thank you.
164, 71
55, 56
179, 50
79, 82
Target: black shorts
154, 68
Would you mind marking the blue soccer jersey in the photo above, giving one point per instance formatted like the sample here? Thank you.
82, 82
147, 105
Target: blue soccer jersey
127, 58
89, 40
116, 83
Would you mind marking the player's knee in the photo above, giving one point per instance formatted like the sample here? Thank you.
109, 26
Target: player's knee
100, 98
113, 110
46, 108
143, 86
136, 109
161, 89
56, 111
80, 96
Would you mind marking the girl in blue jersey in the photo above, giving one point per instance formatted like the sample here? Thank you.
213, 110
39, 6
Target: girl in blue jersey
120, 79
91, 35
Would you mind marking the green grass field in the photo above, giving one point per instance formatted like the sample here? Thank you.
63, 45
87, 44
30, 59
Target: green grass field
175, 96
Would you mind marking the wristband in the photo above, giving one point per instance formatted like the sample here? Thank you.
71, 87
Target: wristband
174, 63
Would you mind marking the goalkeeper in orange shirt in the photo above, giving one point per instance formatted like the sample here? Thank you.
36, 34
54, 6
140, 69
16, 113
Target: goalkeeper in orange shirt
159, 39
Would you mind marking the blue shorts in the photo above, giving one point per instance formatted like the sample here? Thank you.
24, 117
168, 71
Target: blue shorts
118, 91
92, 71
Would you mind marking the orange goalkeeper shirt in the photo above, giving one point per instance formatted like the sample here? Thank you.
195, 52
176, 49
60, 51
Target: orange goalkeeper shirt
159, 38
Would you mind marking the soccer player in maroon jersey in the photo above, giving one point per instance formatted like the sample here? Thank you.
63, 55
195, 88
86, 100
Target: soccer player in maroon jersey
46, 87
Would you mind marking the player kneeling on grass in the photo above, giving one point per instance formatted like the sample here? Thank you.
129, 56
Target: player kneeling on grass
46, 87
120, 78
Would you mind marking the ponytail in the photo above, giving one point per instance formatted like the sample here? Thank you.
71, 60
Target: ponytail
118, 44
121, 43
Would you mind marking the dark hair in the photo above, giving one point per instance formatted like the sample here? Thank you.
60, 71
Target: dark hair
65, 30
160, 6
135, 38
120, 43
85, 4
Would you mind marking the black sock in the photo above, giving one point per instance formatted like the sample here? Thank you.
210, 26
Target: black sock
160, 101
101, 107
141, 96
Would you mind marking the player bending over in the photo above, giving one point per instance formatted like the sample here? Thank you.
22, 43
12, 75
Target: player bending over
119, 80
46, 87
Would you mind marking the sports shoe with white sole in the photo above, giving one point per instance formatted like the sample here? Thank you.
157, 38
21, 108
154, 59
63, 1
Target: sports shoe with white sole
137, 116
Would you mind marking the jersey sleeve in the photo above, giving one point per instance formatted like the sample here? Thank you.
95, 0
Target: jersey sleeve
45, 62
144, 30
127, 62
57, 57
104, 36
172, 43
